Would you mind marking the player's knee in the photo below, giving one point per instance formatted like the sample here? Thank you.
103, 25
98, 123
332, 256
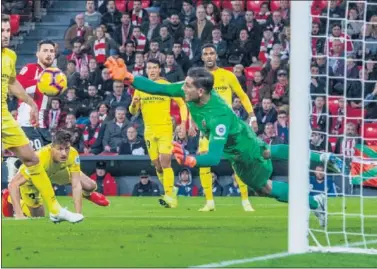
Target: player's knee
92, 186
30, 161
165, 161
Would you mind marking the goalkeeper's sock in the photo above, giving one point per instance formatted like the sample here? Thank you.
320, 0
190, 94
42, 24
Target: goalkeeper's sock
206, 181
160, 176
243, 189
168, 181
280, 190
43, 184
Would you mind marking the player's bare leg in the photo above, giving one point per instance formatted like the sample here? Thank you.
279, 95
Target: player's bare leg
169, 200
88, 191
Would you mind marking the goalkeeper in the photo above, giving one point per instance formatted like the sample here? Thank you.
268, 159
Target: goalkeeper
228, 136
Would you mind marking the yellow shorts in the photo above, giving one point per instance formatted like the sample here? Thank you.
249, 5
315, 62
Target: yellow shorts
11, 132
30, 195
203, 144
159, 141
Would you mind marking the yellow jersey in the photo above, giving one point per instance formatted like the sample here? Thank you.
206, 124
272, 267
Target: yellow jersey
8, 72
59, 173
156, 108
226, 83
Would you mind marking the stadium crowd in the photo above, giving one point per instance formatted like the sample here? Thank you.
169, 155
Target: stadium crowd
252, 39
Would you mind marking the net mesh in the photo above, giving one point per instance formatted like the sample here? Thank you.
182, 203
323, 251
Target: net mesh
344, 122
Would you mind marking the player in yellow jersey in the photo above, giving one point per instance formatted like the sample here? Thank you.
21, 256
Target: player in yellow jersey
226, 85
159, 130
62, 163
14, 139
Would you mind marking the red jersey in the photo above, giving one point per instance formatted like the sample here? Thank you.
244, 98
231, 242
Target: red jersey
28, 78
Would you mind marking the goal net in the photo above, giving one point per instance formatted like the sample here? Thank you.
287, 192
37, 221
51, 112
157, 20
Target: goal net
343, 122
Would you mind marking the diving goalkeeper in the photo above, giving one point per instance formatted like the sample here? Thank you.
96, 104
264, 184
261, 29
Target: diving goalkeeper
228, 136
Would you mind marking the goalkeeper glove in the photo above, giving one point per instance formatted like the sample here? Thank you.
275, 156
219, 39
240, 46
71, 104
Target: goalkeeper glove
181, 157
118, 70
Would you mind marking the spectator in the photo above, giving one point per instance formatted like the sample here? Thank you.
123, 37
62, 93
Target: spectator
271, 69
238, 16
138, 14
370, 41
259, 89
238, 109
145, 187
318, 141
151, 28
171, 71
280, 90
333, 11
154, 52
185, 185
370, 69
202, 27
265, 113
254, 32
169, 7
56, 117
319, 184
284, 9
269, 135
277, 51
242, 51
92, 18
77, 30
228, 29
70, 101
232, 189
115, 130
217, 189
263, 15
165, 39
101, 46
321, 62
191, 45
371, 105
91, 132
78, 55
112, 18
92, 101
337, 34
345, 145
175, 27
238, 70
338, 117
123, 32
266, 45
105, 85
318, 43
281, 126
128, 53
189, 143
103, 113
138, 69
212, 13
188, 14
94, 72
73, 76
276, 23
71, 126
13, 6
140, 40
82, 87
354, 90
134, 145
221, 47
180, 57
119, 97
319, 117
106, 183
317, 85
60, 60
354, 27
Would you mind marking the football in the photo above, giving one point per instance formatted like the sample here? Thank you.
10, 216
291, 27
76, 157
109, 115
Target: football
52, 82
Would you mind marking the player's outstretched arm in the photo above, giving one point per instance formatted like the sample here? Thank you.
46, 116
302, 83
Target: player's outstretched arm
77, 191
14, 191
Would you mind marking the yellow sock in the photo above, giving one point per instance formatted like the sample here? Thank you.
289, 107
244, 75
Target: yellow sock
43, 184
206, 181
86, 194
160, 177
168, 181
25, 209
243, 188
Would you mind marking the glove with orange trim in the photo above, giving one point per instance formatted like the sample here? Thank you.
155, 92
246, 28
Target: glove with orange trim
118, 70
181, 157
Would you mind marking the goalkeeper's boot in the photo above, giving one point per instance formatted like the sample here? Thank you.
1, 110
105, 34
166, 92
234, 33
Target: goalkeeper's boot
247, 206
334, 163
98, 199
209, 206
168, 202
66, 215
6, 207
320, 211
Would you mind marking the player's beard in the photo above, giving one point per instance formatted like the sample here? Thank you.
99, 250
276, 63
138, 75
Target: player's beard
47, 63
4, 43
210, 65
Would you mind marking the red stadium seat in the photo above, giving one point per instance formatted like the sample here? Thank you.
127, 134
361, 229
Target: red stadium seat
249, 71
121, 5
274, 5
144, 4
14, 24
333, 104
332, 141
370, 131
254, 5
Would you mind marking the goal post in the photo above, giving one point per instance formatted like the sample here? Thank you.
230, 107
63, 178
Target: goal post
299, 100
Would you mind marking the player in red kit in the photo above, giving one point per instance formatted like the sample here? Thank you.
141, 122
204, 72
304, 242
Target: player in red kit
37, 132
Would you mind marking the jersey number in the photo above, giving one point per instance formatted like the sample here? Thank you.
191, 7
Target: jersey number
32, 196
36, 144
148, 144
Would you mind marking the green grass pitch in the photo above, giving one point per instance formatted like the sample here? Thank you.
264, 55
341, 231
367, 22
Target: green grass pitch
137, 232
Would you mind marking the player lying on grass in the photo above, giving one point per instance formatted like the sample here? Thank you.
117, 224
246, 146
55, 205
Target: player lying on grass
62, 164
228, 136
13, 137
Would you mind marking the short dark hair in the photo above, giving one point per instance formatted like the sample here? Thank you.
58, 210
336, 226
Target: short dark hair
56, 99
208, 45
136, 26
174, 14
202, 78
154, 61
5, 18
154, 41
126, 13
61, 137
177, 42
170, 53
190, 27
281, 112
129, 41
45, 42
320, 165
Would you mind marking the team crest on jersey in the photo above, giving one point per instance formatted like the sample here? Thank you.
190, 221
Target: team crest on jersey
23, 70
204, 124
220, 130
77, 160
